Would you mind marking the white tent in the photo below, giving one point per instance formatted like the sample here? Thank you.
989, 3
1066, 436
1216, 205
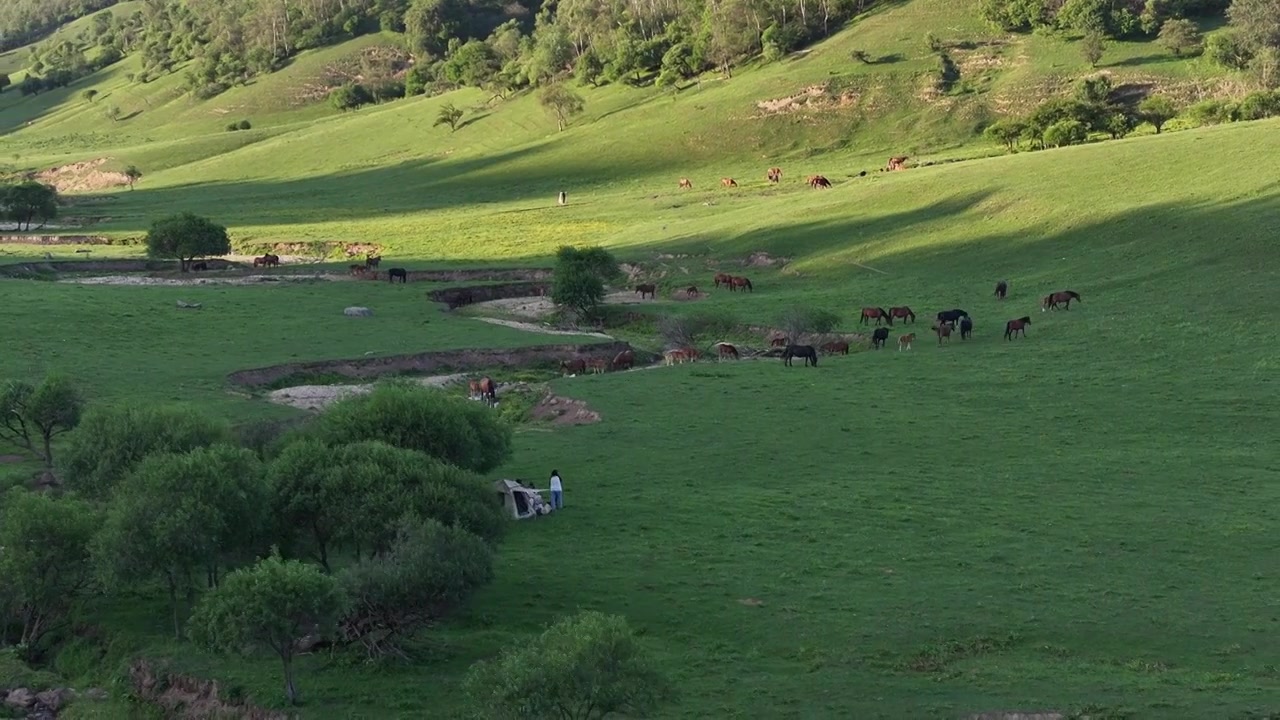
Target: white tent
522, 502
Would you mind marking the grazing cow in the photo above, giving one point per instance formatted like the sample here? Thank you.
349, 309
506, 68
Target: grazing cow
800, 351
728, 182
904, 341
898, 162
879, 338
775, 174
647, 289
401, 273
576, 366
624, 360
836, 347
686, 184
966, 327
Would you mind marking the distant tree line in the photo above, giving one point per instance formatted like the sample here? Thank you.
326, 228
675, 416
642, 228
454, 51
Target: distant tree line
22, 21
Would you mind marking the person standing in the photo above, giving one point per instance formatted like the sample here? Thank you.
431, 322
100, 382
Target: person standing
557, 491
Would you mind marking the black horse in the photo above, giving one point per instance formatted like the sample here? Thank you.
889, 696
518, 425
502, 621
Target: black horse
401, 273
879, 338
801, 351
951, 317
966, 327
202, 265
1002, 289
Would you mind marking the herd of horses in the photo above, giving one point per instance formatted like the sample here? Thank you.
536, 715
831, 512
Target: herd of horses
774, 175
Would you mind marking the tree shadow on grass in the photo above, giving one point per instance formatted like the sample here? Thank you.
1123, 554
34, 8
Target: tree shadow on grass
1147, 60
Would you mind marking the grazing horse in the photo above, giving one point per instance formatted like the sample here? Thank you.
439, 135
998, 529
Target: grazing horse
1002, 289
576, 366
898, 162
723, 279
372, 261
819, 181
1051, 301
260, 261
966, 327
903, 312
879, 338
875, 313
678, 355
728, 182
401, 273
800, 351
686, 184
779, 342
1013, 327
624, 360
692, 291
271, 260
726, 350
775, 174
836, 347
944, 332
951, 317
597, 365
358, 269
904, 341
648, 289
736, 282
486, 389
197, 267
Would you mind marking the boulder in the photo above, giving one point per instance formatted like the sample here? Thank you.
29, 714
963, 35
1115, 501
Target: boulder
358, 312
20, 699
54, 700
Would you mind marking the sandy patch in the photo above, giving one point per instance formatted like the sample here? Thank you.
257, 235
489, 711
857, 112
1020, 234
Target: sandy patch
82, 176
184, 282
564, 411
318, 397
539, 306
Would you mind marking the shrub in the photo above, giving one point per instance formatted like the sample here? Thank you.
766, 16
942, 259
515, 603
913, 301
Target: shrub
232, 127
1259, 105
1157, 110
1212, 112
244, 125
799, 321
1226, 48
1006, 132
1179, 36
350, 96
1065, 132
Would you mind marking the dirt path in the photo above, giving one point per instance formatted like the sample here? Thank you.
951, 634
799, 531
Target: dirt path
540, 307
208, 280
530, 327
318, 397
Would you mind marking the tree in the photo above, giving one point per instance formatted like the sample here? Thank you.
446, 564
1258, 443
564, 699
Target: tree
561, 102
1265, 67
133, 175
30, 85
472, 64
5, 81
350, 96
34, 415
28, 201
177, 514
1257, 22
1180, 35
584, 667
1157, 110
1092, 47
429, 571
1228, 49
1065, 132
44, 560
186, 236
89, 95
449, 115
580, 278
274, 604
1006, 132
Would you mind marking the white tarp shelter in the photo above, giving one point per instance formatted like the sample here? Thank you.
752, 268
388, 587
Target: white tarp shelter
522, 502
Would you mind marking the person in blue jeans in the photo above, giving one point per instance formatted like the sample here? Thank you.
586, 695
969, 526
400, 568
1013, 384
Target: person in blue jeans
557, 491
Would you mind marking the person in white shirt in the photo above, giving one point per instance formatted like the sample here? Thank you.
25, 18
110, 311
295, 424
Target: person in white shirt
557, 491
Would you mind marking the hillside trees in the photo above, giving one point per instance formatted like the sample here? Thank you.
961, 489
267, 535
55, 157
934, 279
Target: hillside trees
22, 21
185, 237
31, 416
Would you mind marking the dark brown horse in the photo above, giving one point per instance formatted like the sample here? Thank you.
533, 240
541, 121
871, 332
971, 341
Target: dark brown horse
576, 366
902, 311
779, 342
647, 289
692, 291
271, 260
944, 332
725, 350
774, 174
806, 352
1013, 327
836, 347
740, 282
951, 317
372, 261
724, 279
879, 338
624, 360
199, 266
358, 269
484, 388
401, 273
260, 261
818, 181
1002, 289
1050, 302
966, 327
877, 314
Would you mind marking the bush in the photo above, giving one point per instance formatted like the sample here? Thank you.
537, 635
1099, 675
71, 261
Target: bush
798, 321
1226, 48
350, 96
232, 127
1259, 105
1179, 36
244, 125
1213, 112
14, 673
1065, 132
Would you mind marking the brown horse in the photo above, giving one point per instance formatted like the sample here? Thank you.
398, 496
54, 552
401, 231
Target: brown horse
775, 174
877, 314
597, 365
904, 341
736, 282
260, 261
944, 332
624, 360
723, 279
728, 182
898, 162
358, 270
779, 342
686, 184
692, 353
678, 355
818, 181
372, 261
692, 291
1051, 301
836, 347
484, 388
576, 366
1002, 289
1013, 327
648, 289
271, 260
903, 312
725, 350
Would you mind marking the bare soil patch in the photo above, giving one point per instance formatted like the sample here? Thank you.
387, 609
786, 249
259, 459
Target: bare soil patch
540, 307
560, 410
202, 279
542, 329
811, 98
319, 397
82, 176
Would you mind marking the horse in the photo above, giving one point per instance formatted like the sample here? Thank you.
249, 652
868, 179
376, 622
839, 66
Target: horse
740, 282
728, 182
966, 327
1051, 301
197, 267
800, 351
692, 291
879, 338
723, 279
724, 350
944, 332
597, 365
779, 342
835, 347
774, 174
818, 181
686, 184
903, 312
463, 298
898, 162
401, 273
1002, 289
260, 261
951, 317
904, 341
1013, 327
358, 269
486, 389
576, 366
647, 289
876, 313
372, 261
271, 260
678, 355
624, 360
